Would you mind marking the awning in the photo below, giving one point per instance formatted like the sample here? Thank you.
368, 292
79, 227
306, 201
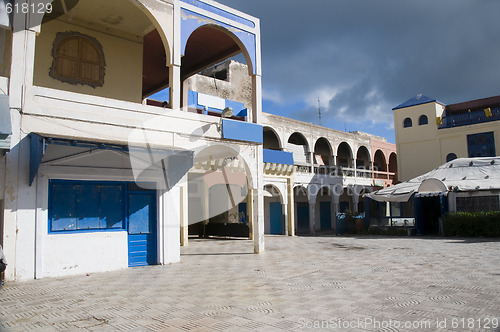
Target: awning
168, 164
459, 175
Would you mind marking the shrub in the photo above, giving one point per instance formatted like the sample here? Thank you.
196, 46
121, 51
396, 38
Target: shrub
472, 224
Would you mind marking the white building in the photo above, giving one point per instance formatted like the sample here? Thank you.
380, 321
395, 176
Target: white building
94, 177
96, 174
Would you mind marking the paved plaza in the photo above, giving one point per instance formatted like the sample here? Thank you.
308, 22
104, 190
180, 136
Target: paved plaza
300, 283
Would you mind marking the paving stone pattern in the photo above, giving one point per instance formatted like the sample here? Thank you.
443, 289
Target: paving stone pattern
300, 283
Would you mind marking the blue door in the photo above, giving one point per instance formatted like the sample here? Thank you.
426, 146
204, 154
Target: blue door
325, 215
276, 216
302, 216
242, 213
141, 228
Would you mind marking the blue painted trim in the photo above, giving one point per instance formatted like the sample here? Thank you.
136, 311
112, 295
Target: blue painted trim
190, 21
243, 112
278, 157
220, 12
242, 131
123, 184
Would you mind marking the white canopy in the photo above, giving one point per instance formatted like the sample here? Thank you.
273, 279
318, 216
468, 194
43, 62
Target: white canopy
464, 174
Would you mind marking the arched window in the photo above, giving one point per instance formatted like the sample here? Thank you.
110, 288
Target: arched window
77, 59
423, 120
450, 157
407, 123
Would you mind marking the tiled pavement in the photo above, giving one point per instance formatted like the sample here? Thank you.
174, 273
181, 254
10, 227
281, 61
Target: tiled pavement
366, 283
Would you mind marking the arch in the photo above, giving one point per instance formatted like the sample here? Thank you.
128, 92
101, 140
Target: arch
205, 154
127, 21
393, 163
145, 6
302, 201
198, 41
379, 161
363, 158
219, 185
272, 141
323, 153
298, 145
275, 191
451, 156
423, 120
407, 123
274, 223
344, 155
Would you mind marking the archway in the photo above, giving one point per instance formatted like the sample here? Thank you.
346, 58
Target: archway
271, 139
393, 167
324, 201
344, 156
274, 221
136, 54
301, 199
323, 155
379, 162
297, 144
218, 193
363, 163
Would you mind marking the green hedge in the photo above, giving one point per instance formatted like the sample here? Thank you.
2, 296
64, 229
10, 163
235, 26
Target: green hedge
472, 224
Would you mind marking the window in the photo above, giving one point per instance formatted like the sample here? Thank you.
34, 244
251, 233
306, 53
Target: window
423, 120
78, 206
478, 203
481, 145
77, 59
407, 123
450, 157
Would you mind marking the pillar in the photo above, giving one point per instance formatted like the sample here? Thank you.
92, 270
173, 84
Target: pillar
175, 87
291, 208
355, 199
250, 214
184, 216
312, 215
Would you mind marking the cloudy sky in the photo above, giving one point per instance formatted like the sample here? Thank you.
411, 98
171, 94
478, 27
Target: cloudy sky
364, 57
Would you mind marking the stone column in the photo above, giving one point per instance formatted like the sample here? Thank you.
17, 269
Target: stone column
184, 215
312, 215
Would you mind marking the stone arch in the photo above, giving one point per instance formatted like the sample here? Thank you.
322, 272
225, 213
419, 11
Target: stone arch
217, 151
363, 158
237, 36
272, 139
323, 149
146, 6
277, 190
380, 161
344, 155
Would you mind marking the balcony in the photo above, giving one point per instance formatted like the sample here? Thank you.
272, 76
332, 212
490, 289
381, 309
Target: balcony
469, 118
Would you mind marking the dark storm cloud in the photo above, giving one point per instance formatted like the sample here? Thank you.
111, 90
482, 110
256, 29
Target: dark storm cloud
363, 57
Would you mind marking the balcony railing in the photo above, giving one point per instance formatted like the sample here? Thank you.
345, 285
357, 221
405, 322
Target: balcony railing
469, 118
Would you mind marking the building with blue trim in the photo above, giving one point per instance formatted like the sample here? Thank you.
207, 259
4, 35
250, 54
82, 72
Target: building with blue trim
121, 136
94, 172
